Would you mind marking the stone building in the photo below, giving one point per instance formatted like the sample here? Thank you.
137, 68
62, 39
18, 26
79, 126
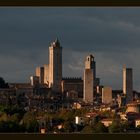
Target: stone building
8, 96
79, 120
133, 107
55, 65
137, 122
128, 84
22, 88
106, 95
40, 74
72, 85
46, 74
107, 122
34, 80
52, 74
89, 77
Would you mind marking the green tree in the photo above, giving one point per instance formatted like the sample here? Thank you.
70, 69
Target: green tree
115, 127
87, 129
123, 109
4, 117
30, 123
108, 114
81, 112
100, 128
124, 126
3, 84
9, 127
15, 118
68, 127
66, 115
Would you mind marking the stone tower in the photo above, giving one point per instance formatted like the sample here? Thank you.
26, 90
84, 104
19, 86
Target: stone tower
128, 84
55, 65
40, 74
90, 64
89, 78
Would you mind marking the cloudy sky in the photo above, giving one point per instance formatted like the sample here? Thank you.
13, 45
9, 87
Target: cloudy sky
112, 35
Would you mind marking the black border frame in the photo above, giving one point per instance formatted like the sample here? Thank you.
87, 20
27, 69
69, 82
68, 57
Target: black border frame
83, 3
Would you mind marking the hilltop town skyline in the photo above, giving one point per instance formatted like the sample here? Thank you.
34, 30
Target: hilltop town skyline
69, 70
112, 37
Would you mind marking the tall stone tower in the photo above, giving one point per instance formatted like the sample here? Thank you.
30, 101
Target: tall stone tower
40, 74
128, 84
89, 78
55, 66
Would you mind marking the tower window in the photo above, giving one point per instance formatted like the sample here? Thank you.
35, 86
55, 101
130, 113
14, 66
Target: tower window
88, 58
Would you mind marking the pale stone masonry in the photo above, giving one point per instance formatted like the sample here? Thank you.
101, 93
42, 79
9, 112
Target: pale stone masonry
90, 64
40, 74
46, 74
51, 74
88, 85
89, 78
72, 85
55, 66
106, 95
34, 80
37, 71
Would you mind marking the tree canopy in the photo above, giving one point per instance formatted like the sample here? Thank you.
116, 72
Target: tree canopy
3, 84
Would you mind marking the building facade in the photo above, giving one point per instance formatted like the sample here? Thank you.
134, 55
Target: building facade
79, 120
72, 85
133, 107
106, 95
40, 74
51, 74
89, 78
34, 80
128, 84
46, 74
107, 122
137, 122
55, 66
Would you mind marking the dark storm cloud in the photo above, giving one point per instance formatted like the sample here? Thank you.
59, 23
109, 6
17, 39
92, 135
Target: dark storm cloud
111, 34
97, 27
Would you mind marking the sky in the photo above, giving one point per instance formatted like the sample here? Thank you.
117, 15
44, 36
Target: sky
111, 35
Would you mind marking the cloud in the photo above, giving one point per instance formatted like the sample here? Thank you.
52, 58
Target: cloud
73, 67
111, 34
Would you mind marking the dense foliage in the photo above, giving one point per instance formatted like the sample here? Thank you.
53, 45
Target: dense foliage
15, 119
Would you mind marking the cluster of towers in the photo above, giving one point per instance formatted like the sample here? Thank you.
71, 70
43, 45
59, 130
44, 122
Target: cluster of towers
91, 83
51, 75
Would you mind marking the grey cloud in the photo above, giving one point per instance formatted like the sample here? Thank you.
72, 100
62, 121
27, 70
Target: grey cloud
111, 34
32, 26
